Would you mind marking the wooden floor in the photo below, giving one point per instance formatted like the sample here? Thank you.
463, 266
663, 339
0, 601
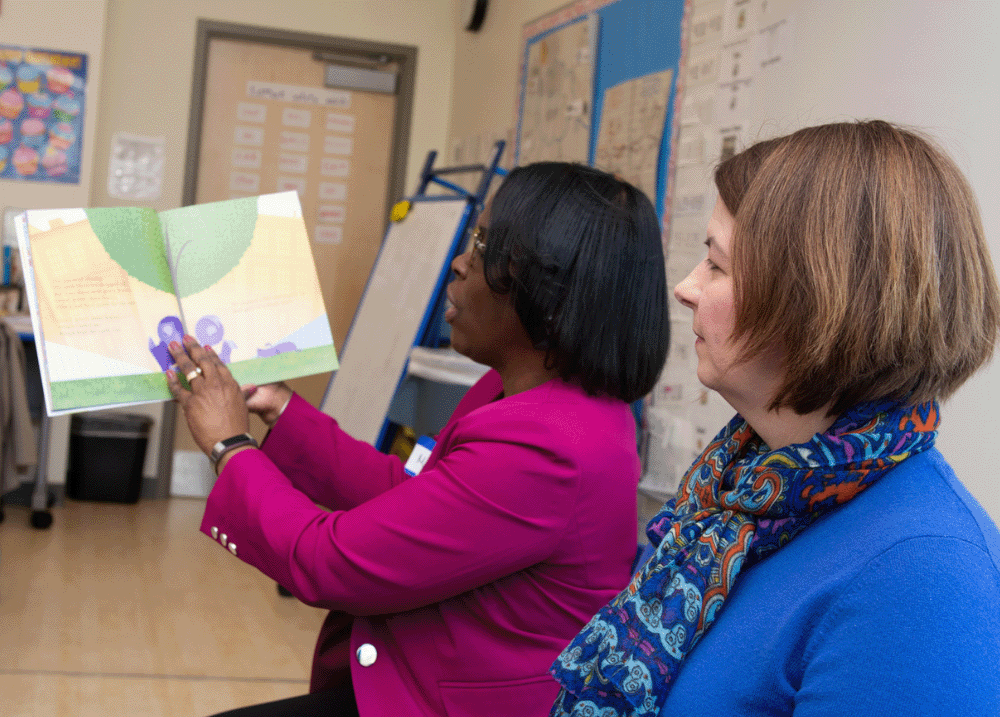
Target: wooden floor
129, 610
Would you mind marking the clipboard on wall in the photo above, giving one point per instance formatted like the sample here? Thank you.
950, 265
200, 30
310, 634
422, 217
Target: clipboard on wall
403, 299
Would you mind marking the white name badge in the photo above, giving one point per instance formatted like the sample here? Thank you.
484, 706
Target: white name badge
421, 452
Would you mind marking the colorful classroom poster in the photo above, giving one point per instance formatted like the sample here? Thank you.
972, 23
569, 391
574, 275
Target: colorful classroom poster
42, 103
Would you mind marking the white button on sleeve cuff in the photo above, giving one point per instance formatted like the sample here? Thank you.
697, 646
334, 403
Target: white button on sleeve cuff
232, 548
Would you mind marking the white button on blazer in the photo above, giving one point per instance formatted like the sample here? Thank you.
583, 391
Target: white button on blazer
367, 654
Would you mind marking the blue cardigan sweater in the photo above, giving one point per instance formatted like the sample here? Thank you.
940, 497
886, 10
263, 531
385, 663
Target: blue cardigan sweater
889, 605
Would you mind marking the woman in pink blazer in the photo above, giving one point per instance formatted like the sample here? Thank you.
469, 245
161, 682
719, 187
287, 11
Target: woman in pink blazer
453, 590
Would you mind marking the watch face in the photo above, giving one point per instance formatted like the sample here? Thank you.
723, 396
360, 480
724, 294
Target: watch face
220, 448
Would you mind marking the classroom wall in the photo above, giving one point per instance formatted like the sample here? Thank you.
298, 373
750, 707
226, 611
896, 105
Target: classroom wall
74, 26
930, 65
488, 68
150, 53
926, 64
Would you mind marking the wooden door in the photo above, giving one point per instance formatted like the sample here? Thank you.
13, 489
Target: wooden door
267, 123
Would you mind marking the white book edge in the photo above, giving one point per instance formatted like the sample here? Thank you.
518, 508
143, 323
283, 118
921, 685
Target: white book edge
28, 269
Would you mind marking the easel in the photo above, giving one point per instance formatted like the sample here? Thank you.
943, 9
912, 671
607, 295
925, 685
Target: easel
428, 176
403, 301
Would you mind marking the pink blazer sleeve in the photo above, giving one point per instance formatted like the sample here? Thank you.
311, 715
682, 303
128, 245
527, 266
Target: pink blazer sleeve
325, 463
498, 502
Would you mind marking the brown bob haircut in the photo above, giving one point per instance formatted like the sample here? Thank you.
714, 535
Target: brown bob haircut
858, 249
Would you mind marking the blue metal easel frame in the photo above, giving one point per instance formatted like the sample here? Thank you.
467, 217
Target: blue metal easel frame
429, 333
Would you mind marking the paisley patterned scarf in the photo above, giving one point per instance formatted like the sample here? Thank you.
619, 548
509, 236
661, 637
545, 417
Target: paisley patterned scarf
739, 502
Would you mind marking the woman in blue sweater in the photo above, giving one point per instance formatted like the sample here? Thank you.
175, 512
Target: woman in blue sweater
820, 558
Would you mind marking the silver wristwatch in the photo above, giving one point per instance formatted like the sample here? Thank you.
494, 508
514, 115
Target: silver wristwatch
224, 446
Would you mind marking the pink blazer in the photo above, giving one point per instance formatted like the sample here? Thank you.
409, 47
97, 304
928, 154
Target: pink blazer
453, 591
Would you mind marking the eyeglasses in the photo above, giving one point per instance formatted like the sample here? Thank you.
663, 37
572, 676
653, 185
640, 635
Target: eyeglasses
478, 245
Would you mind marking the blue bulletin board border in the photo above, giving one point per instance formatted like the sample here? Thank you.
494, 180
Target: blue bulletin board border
42, 106
634, 38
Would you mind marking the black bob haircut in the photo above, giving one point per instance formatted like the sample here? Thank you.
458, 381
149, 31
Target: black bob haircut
580, 253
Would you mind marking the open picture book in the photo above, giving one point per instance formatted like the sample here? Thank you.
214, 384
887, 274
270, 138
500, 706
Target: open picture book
109, 289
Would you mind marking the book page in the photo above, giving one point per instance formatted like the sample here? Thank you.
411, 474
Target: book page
102, 291
248, 286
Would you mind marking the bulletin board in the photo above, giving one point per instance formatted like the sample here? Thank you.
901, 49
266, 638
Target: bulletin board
631, 52
601, 84
732, 48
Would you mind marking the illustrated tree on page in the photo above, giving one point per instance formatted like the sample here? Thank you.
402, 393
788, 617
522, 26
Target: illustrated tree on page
200, 256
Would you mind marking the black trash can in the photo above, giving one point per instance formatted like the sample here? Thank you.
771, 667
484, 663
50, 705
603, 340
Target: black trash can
106, 453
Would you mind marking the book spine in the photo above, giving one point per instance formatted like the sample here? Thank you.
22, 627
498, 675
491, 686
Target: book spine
173, 277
